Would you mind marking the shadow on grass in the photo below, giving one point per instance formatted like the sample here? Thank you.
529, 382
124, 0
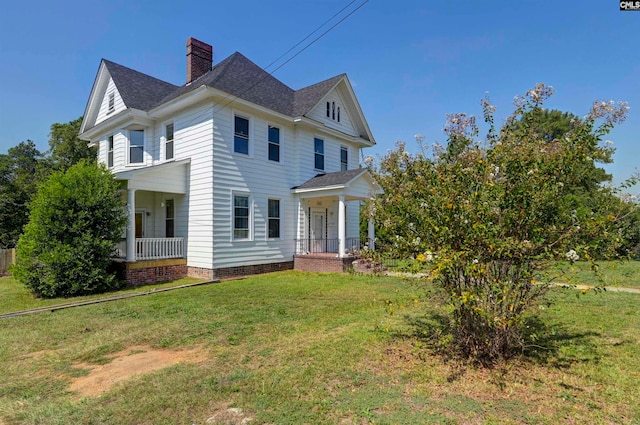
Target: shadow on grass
551, 345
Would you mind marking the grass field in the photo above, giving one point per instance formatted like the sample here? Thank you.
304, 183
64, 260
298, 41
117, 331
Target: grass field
293, 348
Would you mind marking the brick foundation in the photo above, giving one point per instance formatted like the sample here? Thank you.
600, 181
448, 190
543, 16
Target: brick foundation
154, 271
322, 263
228, 272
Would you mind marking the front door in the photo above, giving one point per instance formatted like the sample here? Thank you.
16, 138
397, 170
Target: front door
318, 232
139, 230
139, 225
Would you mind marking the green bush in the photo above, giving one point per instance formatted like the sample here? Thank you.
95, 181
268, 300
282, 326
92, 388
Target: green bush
76, 219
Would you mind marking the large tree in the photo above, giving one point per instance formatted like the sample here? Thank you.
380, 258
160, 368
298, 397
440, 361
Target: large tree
65, 148
19, 175
487, 217
76, 219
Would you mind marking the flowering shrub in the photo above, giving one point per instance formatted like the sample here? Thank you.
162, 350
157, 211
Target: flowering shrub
487, 217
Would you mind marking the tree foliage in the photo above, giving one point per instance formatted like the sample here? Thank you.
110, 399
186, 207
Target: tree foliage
65, 148
23, 167
76, 219
19, 175
487, 217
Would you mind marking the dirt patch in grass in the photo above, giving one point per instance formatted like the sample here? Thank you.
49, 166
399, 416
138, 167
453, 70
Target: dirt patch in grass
136, 360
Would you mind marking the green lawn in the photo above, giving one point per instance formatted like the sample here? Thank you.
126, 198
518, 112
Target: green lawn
293, 348
610, 273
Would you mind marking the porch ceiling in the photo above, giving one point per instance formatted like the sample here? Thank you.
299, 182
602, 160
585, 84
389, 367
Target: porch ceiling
170, 177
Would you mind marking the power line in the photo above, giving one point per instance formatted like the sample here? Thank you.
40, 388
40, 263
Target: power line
299, 52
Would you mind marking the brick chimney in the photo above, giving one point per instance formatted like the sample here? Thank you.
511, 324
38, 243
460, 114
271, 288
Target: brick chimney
199, 58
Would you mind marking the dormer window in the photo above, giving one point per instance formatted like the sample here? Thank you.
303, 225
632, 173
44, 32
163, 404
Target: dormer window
112, 103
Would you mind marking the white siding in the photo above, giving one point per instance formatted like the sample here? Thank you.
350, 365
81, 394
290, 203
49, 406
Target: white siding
261, 179
193, 132
319, 113
103, 112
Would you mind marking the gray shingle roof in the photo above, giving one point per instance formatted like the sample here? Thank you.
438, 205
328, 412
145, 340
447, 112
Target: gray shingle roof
339, 178
236, 75
138, 90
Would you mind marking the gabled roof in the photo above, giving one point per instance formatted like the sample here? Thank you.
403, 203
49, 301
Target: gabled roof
138, 90
236, 76
356, 184
340, 178
242, 78
305, 99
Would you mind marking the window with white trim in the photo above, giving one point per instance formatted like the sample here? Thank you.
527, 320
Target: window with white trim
110, 151
136, 146
344, 158
168, 141
274, 218
241, 216
112, 103
274, 144
241, 135
318, 150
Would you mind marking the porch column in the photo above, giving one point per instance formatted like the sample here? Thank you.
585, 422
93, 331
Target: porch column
297, 235
131, 225
342, 231
371, 234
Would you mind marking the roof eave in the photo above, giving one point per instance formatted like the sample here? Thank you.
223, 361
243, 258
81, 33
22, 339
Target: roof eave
122, 119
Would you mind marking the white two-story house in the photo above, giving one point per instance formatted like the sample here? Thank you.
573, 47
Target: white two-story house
233, 172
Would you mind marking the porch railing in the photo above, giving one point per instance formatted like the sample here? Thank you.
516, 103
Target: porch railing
316, 246
159, 248
154, 248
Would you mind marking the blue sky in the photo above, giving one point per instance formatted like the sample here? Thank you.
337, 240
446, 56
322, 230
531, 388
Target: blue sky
410, 62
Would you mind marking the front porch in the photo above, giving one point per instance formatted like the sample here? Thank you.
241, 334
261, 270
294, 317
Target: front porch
328, 220
154, 245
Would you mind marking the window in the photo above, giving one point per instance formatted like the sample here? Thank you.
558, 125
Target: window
333, 110
240, 217
241, 135
274, 218
110, 151
169, 219
112, 103
344, 158
274, 144
328, 109
338, 114
318, 149
168, 141
136, 146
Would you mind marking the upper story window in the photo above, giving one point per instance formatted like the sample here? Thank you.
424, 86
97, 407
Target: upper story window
333, 111
168, 141
318, 149
110, 151
241, 135
240, 217
112, 103
344, 158
136, 146
274, 144
274, 218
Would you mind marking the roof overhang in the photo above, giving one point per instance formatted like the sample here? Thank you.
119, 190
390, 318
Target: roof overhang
322, 127
127, 118
361, 187
170, 177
